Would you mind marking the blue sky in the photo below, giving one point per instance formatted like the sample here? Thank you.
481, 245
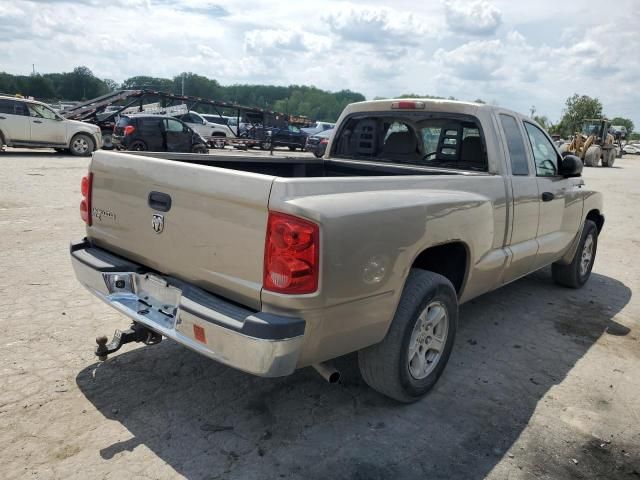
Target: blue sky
512, 53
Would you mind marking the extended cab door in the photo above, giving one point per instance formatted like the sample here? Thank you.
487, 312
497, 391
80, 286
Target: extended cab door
14, 121
561, 201
525, 206
46, 127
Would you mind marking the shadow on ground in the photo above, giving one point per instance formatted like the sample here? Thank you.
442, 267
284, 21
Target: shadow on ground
210, 421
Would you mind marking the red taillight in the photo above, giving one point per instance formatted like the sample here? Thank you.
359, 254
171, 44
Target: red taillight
129, 129
85, 204
291, 254
324, 141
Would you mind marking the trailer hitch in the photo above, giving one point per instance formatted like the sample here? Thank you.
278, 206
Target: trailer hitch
135, 333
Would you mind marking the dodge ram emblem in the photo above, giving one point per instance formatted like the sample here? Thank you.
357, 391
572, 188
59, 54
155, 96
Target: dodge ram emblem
157, 222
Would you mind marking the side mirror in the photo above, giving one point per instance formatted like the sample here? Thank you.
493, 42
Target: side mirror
571, 166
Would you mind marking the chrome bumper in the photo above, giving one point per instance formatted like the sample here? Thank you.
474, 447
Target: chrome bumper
255, 342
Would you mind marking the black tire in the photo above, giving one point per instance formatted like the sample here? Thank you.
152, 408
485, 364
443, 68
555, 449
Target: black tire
266, 145
385, 366
137, 146
573, 275
317, 155
62, 150
81, 145
199, 148
107, 140
292, 149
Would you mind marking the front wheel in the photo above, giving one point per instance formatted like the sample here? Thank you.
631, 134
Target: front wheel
576, 274
199, 148
81, 145
592, 156
407, 363
266, 145
107, 140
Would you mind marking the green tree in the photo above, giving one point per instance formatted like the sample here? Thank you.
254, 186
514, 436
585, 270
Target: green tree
623, 121
577, 108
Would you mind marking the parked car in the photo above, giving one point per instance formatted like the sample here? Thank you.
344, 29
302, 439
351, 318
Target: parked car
317, 144
156, 133
632, 148
318, 127
30, 124
208, 130
269, 265
289, 136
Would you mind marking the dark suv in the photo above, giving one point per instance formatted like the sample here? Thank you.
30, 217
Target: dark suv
156, 133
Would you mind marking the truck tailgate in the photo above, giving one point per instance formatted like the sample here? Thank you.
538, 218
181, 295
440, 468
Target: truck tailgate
212, 234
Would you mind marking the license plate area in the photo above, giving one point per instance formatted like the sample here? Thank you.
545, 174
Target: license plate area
147, 295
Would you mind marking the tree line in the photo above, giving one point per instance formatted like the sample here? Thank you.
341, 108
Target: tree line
82, 84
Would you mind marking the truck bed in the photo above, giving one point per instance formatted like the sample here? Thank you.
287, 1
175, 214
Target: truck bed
301, 167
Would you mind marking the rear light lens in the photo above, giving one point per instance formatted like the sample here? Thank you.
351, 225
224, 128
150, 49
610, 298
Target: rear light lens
407, 105
129, 129
324, 141
291, 254
85, 204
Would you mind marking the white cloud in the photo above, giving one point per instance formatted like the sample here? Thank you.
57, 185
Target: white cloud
518, 55
478, 17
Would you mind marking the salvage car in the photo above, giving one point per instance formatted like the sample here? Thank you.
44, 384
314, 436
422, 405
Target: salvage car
271, 264
213, 133
317, 144
29, 124
156, 133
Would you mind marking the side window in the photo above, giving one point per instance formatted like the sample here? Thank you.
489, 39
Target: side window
293, 129
515, 144
544, 154
40, 111
173, 125
7, 107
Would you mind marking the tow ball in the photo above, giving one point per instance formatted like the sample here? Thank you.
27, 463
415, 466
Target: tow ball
135, 333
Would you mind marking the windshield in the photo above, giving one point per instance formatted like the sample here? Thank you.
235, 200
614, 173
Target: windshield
591, 128
451, 141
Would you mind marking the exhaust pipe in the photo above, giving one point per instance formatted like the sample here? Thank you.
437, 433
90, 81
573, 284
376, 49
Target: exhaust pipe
327, 371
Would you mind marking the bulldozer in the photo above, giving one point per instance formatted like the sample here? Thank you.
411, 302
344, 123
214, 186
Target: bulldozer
593, 143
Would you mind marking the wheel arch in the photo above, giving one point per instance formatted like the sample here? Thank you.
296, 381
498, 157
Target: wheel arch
596, 217
451, 260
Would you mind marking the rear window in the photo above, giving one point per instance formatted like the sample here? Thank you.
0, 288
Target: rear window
123, 122
424, 139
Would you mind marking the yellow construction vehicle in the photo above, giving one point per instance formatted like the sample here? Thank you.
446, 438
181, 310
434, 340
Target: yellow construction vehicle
593, 143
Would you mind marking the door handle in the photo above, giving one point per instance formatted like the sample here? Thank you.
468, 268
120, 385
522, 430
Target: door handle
548, 196
159, 201
37, 121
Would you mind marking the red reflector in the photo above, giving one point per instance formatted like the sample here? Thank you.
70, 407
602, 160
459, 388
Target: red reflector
129, 129
291, 254
198, 333
85, 205
407, 105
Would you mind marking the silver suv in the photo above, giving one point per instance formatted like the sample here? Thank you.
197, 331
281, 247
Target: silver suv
31, 124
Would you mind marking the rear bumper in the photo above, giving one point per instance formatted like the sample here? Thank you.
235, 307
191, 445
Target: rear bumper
255, 342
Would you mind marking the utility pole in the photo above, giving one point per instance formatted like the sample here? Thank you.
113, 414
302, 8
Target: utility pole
33, 66
182, 83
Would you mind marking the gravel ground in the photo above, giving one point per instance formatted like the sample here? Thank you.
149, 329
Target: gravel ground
543, 382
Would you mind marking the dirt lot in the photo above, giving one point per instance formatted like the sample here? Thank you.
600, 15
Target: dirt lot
543, 382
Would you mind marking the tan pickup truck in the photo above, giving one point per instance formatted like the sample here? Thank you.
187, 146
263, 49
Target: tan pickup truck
271, 264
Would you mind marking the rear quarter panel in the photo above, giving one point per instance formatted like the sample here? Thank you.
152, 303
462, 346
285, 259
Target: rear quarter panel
372, 229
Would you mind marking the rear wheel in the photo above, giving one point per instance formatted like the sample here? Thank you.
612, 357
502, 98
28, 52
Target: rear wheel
592, 156
576, 274
107, 140
81, 145
406, 364
266, 145
138, 146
